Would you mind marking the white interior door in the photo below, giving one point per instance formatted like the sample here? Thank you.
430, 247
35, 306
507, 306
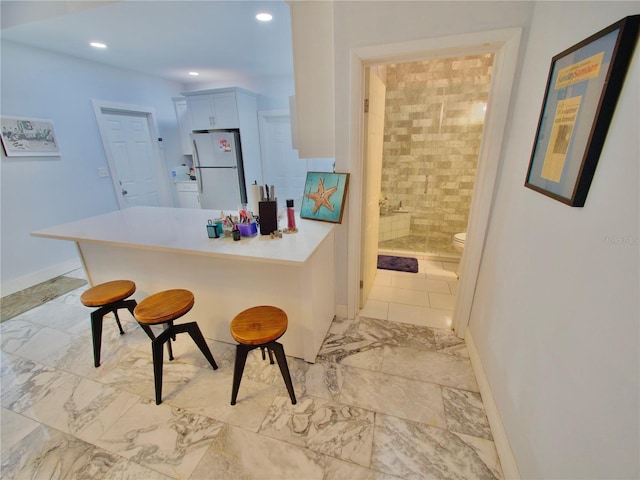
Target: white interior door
374, 136
281, 166
135, 161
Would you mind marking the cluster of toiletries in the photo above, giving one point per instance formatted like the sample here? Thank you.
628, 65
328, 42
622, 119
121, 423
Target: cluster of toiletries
242, 225
245, 224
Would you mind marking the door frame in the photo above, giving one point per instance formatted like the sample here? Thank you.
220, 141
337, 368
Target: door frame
100, 108
263, 118
505, 44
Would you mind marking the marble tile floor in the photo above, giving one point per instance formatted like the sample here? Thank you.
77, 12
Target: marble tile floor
385, 400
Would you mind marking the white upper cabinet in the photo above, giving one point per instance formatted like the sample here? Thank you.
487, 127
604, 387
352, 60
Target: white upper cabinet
213, 111
312, 31
230, 108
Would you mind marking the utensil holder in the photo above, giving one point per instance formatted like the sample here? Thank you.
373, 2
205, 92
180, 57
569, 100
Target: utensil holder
268, 212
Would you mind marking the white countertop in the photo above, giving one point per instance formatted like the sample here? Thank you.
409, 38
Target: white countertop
184, 230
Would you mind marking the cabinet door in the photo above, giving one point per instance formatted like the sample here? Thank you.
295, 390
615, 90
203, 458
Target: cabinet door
188, 200
200, 112
225, 110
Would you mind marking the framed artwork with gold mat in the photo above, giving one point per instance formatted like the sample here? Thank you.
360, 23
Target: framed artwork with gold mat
582, 90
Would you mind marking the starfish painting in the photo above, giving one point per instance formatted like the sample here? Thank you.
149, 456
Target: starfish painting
321, 197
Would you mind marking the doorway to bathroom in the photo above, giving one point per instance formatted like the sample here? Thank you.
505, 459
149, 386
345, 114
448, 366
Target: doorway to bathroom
433, 126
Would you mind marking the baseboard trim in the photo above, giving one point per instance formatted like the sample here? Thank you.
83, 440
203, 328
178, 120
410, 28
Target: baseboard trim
34, 278
500, 438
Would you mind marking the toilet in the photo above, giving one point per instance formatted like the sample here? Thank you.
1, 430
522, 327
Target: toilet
458, 241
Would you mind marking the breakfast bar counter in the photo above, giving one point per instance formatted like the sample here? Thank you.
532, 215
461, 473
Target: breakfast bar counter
163, 248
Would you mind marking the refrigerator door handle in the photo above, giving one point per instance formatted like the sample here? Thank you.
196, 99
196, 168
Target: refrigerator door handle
196, 163
196, 157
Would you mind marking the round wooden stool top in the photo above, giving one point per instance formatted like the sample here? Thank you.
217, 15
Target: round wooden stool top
106, 293
259, 325
164, 306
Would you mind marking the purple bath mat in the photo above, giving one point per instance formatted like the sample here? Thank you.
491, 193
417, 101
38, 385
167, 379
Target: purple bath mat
399, 264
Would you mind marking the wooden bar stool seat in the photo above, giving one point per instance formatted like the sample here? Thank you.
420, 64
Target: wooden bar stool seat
163, 308
108, 297
260, 327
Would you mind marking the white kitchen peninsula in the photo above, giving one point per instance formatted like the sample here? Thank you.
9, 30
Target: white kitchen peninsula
162, 248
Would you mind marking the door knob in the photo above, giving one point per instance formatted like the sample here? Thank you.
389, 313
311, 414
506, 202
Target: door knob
124, 192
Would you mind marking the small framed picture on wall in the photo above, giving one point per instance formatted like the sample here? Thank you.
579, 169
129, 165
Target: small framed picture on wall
28, 137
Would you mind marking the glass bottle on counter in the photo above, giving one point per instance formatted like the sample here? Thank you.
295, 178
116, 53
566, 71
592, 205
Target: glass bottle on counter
291, 216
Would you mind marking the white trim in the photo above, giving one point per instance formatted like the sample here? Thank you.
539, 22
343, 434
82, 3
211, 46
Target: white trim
505, 63
34, 278
263, 116
500, 438
505, 44
99, 108
341, 311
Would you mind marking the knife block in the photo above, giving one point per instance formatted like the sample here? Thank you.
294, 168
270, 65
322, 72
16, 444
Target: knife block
268, 217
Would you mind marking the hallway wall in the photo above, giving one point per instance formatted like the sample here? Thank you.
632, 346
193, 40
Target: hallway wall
555, 313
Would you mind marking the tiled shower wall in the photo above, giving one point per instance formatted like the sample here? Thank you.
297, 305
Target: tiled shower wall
434, 118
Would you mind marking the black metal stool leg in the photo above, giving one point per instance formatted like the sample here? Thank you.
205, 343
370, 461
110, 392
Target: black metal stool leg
194, 331
115, 313
241, 358
156, 346
96, 332
284, 368
270, 354
169, 328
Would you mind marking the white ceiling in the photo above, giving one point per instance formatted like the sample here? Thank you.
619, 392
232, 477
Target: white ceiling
167, 39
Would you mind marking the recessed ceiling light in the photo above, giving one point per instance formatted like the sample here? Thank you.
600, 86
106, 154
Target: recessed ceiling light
194, 74
264, 17
98, 45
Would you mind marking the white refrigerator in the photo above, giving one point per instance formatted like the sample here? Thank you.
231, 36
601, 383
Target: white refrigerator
217, 159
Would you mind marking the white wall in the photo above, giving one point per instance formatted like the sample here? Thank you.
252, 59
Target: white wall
555, 316
37, 192
366, 23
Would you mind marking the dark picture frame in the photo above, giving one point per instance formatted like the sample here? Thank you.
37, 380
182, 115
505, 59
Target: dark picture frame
582, 90
324, 196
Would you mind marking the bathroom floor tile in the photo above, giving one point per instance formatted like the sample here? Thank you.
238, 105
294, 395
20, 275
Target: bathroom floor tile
375, 309
424, 316
400, 295
442, 301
